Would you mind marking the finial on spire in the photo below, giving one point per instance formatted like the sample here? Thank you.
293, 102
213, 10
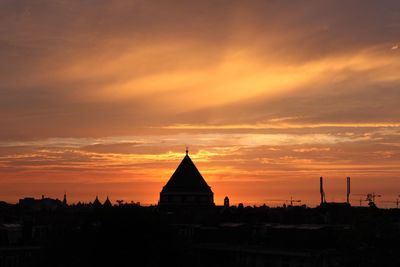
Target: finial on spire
187, 150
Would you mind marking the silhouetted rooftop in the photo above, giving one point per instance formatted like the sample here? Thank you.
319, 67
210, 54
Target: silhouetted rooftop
187, 178
107, 203
97, 202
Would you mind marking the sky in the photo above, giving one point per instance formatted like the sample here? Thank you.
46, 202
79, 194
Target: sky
102, 97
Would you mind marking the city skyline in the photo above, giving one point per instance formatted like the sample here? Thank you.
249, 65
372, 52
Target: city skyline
102, 98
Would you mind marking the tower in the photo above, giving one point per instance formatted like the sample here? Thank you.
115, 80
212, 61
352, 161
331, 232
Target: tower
348, 191
321, 189
226, 202
65, 200
96, 202
107, 203
186, 188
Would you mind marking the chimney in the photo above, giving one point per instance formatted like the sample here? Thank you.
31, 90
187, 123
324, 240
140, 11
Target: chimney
321, 189
348, 190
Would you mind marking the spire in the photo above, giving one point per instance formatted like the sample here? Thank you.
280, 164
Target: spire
96, 202
187, 151
107, 203
65, 199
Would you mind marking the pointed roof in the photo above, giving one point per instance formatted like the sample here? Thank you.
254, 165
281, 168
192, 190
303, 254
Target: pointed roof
107, 203
186, 178
65, 199
97, 202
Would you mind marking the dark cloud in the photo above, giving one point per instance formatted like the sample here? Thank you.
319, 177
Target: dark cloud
42, 39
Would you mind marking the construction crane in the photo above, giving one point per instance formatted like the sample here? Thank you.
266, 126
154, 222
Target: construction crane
395, 202
360, 200
294, 200
290, 201
370, 198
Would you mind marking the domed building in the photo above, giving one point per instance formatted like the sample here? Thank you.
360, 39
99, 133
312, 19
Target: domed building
186, 188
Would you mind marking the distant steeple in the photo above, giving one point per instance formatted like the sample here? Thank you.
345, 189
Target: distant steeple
65, 199
226, 202
107, 203
96, 202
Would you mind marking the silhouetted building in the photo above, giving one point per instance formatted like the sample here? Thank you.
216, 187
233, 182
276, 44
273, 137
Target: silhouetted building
226, 202
107, 203
65, 203
186, 188
96, 202
45, 203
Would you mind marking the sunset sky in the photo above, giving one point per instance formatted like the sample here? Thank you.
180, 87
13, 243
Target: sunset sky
102, 97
